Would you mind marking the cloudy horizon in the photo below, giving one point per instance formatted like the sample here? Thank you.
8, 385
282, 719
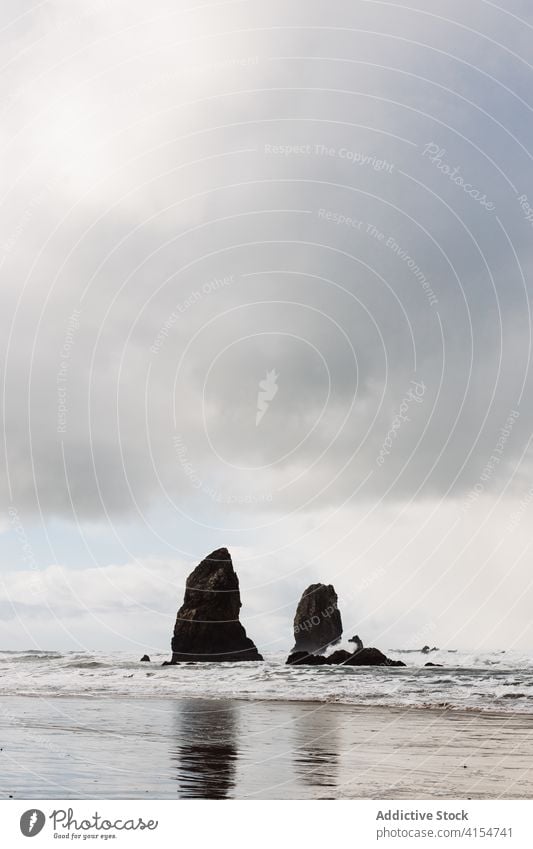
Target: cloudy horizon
266, 286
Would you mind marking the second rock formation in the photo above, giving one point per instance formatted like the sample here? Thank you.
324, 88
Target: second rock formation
317, 623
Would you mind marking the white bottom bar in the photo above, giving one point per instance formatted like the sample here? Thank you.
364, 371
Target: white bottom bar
243, 824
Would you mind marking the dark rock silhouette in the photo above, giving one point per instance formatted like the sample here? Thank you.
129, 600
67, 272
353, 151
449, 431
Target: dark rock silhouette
303, 658
433, 664
358, 642
371, 657
317, 623
364, 657
207, 625
145, 659
339, 656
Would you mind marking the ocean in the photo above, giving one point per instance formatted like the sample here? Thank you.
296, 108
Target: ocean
482, 681
95, 725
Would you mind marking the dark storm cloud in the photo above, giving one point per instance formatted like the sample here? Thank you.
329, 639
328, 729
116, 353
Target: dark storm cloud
188, 212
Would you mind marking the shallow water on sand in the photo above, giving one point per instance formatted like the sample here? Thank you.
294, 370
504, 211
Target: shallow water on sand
70, 748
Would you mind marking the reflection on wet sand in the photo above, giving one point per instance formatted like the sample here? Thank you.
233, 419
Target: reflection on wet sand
206, 753
316, 748
199, 748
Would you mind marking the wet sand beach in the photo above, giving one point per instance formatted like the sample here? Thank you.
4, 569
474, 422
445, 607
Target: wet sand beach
76, 748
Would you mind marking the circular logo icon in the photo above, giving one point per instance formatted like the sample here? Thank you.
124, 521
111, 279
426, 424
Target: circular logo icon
32, 822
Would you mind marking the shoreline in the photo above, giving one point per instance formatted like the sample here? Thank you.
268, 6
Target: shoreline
84, 747
333, 703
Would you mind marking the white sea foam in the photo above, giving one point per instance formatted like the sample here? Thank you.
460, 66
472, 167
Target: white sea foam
501, 681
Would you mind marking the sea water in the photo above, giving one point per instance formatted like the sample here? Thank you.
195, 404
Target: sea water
487, 681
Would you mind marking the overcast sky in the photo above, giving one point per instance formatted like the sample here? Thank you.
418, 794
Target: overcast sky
266, 273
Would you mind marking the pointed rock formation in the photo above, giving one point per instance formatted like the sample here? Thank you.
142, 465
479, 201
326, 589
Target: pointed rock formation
317, 623
207, 625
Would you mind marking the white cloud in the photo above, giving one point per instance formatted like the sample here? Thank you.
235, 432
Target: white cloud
150, 152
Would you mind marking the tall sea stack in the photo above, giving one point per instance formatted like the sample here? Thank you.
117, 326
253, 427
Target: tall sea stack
207, 625
317, 623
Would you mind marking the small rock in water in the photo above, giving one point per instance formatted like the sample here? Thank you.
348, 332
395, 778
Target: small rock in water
364, 657
145, 659
371, 657
303, 658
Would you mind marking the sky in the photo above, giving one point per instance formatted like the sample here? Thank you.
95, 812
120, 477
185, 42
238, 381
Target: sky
266, 275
